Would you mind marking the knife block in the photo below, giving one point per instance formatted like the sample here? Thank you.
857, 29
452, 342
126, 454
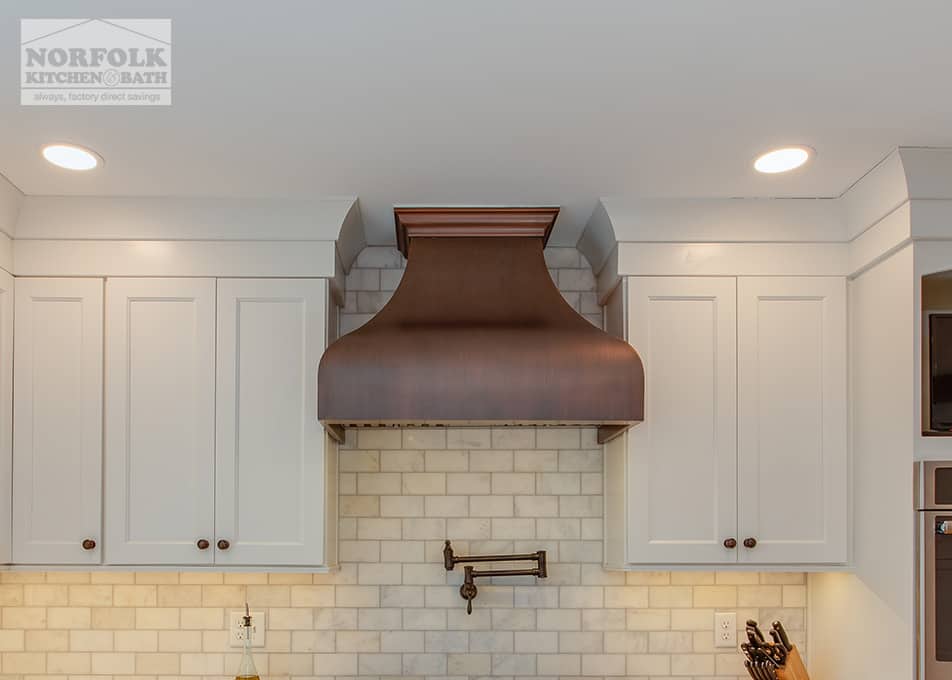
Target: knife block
794, 668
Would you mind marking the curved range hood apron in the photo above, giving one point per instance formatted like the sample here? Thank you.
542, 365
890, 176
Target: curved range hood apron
477, 334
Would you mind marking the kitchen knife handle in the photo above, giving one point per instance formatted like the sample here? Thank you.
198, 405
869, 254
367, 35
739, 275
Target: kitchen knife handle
730, 543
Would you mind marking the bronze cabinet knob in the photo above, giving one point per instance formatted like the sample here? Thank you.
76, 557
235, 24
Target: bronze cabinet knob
202, 544
750, 542
730, 543
89, 544
223, 544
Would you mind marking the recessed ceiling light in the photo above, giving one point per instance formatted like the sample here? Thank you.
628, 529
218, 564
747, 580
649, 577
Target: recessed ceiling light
783, 160
71, 157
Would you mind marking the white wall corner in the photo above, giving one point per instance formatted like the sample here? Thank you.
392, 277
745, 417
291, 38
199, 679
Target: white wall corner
11, 199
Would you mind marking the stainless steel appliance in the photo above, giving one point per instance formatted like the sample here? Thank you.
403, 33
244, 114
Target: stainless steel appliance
934, 569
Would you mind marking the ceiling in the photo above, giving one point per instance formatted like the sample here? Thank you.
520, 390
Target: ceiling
499, 102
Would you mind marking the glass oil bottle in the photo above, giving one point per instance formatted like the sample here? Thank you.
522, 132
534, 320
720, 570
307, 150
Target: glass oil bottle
246, 668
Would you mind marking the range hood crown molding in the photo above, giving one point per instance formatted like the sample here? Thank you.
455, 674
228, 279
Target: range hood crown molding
478, 334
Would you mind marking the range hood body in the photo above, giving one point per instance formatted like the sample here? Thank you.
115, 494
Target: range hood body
478, 334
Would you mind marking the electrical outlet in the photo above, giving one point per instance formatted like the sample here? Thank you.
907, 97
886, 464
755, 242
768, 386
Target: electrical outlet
237, 628
725, 629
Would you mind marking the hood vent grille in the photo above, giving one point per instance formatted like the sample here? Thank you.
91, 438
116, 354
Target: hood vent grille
477, 334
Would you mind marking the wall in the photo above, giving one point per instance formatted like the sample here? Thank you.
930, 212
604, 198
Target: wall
882, 329
392, 610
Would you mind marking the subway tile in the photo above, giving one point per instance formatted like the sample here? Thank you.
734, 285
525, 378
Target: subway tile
468, 483
70, 663
378, 483
558, 438
446, 461
335, 664
400, 551
424, 438
363, 641
359, 461
179, 641
495, 460
379, 664
469, 529
491, 506
401, 596
425, 529
603, 619
112, 663
513, 483
357, 596
513, 664
424, 664
379, 438
654, 665
469, 664
36, 595
535, 461
446, 506
402, 641
535, 506
513, 438
402, 461
468, 438
424, 484
312, 596
558, 483
603, 664
580, 461
378, 529
559, 664
157, 618
24, 617
692, 664
23, 662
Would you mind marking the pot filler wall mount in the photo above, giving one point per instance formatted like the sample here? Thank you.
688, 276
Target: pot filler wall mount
477, 334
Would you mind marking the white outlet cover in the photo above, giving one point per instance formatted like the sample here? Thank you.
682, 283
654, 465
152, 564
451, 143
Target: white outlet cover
236, 628
725, 629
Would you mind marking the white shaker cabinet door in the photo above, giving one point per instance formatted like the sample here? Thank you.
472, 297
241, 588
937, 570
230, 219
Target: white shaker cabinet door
792, 422
57, 440
681, 504
160, 421
270, 452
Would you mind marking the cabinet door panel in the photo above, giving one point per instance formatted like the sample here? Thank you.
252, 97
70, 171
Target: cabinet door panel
270, 446
792, 437
160, 414
682, 458
57, 444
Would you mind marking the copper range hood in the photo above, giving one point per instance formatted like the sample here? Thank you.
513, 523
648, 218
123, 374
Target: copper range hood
477, 334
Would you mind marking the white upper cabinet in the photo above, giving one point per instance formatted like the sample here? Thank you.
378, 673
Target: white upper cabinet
792, 419
160, 421
682, 464
6, 416
57, 445
742, 456
270, 453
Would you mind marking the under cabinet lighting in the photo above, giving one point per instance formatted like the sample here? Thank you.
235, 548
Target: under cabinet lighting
71, 157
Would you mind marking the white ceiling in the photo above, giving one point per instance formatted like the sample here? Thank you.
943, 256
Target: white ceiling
499, 101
